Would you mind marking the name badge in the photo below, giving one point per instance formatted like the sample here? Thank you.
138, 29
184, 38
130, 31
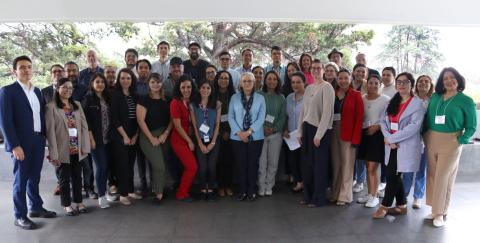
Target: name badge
337, 117
224, 118
440, 119
269, 118
394, 126
72, 132
206, 138
204, 128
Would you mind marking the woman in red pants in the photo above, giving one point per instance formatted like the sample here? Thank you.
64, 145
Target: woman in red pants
181, 141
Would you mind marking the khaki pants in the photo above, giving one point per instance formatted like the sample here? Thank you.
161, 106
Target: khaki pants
343, 161
443, 152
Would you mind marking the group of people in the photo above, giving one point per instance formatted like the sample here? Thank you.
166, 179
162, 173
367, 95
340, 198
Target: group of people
226, 128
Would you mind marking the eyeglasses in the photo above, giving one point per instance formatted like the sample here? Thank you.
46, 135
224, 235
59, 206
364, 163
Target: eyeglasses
402, 82
224, 59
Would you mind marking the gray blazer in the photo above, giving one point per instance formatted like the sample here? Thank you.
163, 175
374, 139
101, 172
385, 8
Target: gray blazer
57, 133
410, 145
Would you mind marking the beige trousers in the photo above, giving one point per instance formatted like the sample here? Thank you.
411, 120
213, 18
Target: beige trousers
443, 153
343, 161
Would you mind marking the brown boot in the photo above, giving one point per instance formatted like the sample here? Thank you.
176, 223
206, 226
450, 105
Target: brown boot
381, 212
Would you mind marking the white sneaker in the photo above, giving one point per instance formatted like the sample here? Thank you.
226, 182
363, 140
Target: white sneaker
364, 199
372, 202
111, 198
438, 221
381, 193
382, 186
268, 192
430, 217
261, 192
417, 203
103, 203
358, 187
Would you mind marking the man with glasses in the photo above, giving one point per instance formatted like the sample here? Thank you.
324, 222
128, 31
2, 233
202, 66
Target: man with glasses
56, 72
225, 60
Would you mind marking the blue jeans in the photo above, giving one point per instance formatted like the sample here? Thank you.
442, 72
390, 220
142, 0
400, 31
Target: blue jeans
420, 177
101, 157
359, 171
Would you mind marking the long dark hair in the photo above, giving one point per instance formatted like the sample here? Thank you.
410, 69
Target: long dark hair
58, 102
394, 105
212, 101
277, 88
302, 68
177, 94
440, 87
287, 83
105, 92
216, 87
132, 87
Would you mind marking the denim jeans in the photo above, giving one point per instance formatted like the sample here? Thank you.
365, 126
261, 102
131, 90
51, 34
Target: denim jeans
360, 171
420, 178
100, 157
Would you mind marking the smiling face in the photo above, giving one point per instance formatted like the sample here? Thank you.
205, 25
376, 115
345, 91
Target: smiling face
130, 59
57, 73
143, 70
450, 82
155, 85
330, 73
373, 86
290, 70
343, 80
360, 74
403, 85
336, 58
65, 90
276, 57
247, 57
72, 71
92, 58
98, 85
317, 70
225, 61
387, 77
306, 62
205, 90
424, 84
186, 89
223, 80
210, 73
271, 82
162, 50
125, 80
246, 83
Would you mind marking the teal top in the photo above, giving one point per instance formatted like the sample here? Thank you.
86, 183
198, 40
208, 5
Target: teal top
276, 110
460, 115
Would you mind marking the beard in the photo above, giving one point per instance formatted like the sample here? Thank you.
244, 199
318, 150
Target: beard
194, 56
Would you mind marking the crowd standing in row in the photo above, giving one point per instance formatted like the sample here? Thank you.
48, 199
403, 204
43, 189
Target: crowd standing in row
226, 127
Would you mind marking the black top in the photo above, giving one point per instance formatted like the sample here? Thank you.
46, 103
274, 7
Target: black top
93, 114
48, 93
338, 105
197, 72
122, 114
158, 112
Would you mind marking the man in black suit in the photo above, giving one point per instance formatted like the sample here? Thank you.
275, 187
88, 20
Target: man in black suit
22, 121
56, 72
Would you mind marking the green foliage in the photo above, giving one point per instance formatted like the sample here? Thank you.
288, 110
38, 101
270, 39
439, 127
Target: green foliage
412, 49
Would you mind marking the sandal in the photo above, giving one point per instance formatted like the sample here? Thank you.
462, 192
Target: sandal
69, 211
381, 212
81, 208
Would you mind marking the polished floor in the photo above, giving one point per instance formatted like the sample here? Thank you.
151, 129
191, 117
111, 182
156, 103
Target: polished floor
279, 218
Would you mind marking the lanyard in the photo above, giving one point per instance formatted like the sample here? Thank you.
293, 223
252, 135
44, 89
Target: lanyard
205, 113
445, 108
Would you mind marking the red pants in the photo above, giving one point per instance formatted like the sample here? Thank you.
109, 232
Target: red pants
187, 158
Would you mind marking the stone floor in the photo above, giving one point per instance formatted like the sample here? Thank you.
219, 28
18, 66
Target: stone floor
279, 218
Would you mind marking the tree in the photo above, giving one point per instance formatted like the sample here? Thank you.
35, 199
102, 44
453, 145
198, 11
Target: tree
412, 49
294, 38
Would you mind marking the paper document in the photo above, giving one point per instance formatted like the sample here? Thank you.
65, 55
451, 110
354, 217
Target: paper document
292, 142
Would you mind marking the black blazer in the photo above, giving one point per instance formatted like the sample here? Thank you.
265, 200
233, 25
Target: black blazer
119, 116
93, 113
48, 93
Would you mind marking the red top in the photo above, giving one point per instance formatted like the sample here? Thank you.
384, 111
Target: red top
401, 109
179, 110
352, 117
309, 78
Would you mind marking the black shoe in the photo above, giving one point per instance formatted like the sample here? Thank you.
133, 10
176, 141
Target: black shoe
43, 213
73, 212
252, 197
242, 197
204, 196
82, 210
212, 197
25, 223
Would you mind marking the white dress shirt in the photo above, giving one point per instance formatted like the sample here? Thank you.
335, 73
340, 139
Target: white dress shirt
34, 104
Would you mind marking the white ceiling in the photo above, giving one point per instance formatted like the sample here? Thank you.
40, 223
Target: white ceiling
425, 12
